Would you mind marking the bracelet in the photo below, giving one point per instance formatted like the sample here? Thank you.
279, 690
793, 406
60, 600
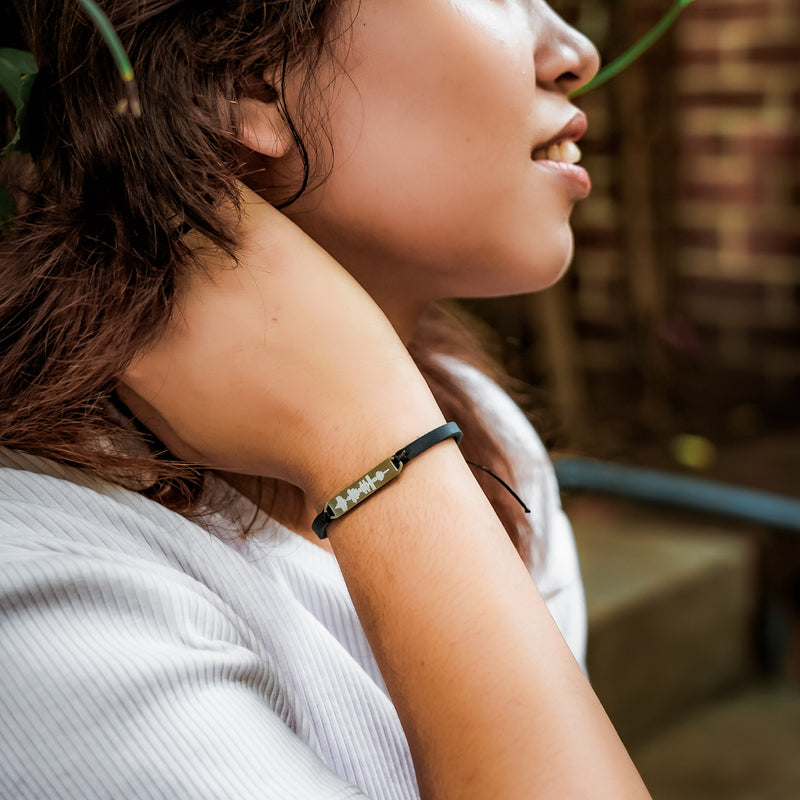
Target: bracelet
365, 486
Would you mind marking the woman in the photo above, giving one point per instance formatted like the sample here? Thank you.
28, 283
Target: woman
173, 343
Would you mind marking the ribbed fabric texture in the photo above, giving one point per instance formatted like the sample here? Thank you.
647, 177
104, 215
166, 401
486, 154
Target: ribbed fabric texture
144, 657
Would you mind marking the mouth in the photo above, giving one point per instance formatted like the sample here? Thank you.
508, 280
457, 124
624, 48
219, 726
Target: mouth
562, 148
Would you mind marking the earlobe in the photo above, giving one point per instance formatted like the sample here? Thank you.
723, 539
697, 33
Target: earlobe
262, 127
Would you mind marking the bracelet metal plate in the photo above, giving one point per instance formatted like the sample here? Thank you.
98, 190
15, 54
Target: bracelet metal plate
364, 487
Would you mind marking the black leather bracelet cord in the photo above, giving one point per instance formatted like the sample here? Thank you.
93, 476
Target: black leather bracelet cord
365, 486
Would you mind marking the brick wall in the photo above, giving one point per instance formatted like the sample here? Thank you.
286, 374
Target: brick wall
739, 181
684, 300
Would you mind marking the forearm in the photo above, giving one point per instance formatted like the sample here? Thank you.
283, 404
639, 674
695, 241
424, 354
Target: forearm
490, 698
492, 701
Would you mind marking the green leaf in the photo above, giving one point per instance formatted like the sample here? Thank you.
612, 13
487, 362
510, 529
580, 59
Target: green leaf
14, 66
17, 72
630, 55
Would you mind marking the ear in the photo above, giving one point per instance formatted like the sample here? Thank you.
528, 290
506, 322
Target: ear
262, 127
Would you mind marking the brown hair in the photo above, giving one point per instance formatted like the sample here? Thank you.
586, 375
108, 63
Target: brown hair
90, 266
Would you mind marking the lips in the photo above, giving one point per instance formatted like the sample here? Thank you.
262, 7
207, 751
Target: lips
562, 147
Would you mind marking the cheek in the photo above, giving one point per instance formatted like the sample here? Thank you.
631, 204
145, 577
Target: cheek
435, 112
432, 174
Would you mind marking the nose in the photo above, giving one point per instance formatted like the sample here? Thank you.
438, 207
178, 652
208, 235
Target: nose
565, 59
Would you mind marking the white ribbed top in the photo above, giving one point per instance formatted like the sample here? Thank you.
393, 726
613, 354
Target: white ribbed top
143, 657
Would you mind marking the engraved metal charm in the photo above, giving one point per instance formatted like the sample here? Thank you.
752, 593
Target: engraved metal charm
362, 488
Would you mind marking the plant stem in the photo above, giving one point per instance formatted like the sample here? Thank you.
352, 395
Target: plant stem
630, 55
106, 29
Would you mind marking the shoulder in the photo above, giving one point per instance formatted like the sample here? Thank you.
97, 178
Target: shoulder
75, 552
69, 540
111, 619
38, 496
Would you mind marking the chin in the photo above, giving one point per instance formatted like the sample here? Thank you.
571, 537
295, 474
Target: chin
553, 266
531, 268
560, 273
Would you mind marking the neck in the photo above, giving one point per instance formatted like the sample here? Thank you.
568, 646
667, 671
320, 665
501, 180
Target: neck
404, 315
395, 286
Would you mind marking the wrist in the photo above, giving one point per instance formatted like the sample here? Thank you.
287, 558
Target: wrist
345, 457
379, 476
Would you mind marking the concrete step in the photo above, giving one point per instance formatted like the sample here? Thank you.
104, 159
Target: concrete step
742, 748
672, 603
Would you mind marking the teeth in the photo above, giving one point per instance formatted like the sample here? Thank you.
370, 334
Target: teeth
571, 153
566, 151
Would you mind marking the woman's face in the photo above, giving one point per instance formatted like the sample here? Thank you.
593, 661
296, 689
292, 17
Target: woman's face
437, 113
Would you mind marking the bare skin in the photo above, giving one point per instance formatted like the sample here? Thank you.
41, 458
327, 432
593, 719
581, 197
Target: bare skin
433, 111
491, 700
289, 368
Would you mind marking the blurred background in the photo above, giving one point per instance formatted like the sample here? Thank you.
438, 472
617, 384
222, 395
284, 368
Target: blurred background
674, 344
